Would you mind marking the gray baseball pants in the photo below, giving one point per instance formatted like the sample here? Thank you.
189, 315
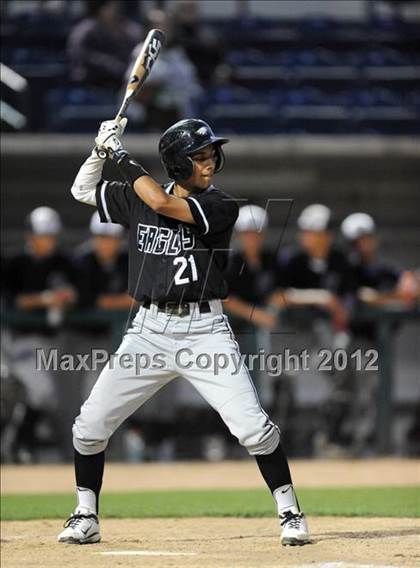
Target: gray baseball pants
159, 347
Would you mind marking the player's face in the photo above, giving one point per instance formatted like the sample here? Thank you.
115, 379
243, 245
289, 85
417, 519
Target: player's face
110, 12
42, 245
204, 166
107, 247
251, 241
316, 243
366, 246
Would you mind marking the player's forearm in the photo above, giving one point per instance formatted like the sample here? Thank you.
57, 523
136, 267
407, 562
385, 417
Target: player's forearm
148, 190
374, 298
238, 307
156, 198
34, 300
57, 298
115, 301
250, 312
297, 297
31, 301
151, 192
244, 310
309, 296
90, 174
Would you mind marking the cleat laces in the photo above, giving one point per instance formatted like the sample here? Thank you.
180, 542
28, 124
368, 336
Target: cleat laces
74, 520
291, 519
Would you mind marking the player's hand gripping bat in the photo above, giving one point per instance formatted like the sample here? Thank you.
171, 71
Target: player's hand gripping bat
140, 71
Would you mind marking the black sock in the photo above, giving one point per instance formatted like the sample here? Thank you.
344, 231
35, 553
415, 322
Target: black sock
274, 468
89, 472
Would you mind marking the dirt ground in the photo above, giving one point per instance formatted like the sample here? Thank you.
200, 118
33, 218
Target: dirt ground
215, 543
49, 478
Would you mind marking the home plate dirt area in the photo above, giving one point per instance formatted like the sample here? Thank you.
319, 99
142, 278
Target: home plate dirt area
215, 543
231, 542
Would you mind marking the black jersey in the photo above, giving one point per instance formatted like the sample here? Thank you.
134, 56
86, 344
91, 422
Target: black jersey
381, 277
296, 269
27, 274
251, 284
94, 278
376, 274
170, 260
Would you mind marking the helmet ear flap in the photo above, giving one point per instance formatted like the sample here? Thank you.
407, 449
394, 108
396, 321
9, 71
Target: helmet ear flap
181, 168
188, 167
220, 159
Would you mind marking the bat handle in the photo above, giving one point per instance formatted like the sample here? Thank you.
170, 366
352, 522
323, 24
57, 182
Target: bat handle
123, 108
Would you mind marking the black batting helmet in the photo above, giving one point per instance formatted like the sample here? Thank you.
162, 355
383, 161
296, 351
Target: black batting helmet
183, 139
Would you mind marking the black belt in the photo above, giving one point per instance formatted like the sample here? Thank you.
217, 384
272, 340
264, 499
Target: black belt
177, 308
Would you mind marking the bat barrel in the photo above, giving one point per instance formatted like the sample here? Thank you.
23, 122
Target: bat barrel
150, 50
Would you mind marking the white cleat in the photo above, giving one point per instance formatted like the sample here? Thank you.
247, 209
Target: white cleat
295, 529
82, 527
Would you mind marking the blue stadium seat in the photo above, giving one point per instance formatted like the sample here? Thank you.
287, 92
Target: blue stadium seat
385, 57
37, 56
79, 109
37, 27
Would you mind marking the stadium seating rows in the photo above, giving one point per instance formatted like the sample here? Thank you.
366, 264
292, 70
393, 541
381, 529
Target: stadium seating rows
312, 75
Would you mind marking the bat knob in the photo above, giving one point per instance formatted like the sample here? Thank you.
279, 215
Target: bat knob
101, 153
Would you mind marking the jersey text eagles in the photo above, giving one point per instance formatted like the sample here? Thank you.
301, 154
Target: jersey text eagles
163, 240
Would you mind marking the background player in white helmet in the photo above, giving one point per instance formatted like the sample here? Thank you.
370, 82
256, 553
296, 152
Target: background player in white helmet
37, 281
317, 275
250, 272
101, 271
179, 237
379, 282
102, 268
252, 279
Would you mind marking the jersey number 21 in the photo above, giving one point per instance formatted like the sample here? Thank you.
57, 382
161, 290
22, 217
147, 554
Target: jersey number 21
180, 276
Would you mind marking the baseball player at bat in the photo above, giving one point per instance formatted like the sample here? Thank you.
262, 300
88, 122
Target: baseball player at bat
179, 236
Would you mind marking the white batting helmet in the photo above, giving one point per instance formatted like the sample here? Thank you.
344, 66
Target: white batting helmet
357, 225
251, 218
104, 229
315, 217
44, 221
